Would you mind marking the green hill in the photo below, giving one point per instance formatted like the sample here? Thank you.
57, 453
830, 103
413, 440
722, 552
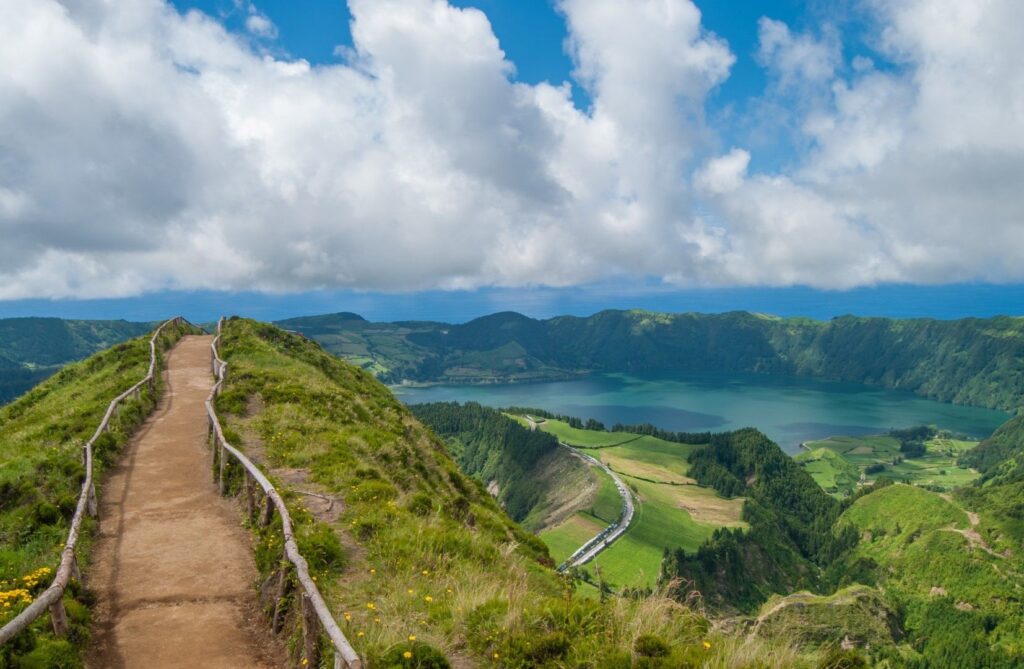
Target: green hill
970, 361
32, 349
945, 565
423, 549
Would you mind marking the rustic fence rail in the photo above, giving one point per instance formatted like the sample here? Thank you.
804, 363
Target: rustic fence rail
52, 598
315, 613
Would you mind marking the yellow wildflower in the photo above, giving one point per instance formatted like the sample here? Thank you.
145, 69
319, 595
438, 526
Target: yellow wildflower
412, 637
407, 655
428, 599
707, 645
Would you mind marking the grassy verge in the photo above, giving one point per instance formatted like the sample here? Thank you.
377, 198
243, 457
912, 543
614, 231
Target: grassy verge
41, 439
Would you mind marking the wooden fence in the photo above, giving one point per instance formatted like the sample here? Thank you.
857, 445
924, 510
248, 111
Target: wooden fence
53, 597
315, 614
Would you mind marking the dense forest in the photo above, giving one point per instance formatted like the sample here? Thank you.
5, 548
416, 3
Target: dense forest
492, 447
969, 361
790, 540
31, 349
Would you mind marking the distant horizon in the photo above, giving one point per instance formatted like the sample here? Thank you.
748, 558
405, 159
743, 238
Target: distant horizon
948, 302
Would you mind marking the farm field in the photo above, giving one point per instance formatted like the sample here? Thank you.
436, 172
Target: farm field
671, 511
839, 463
667, 516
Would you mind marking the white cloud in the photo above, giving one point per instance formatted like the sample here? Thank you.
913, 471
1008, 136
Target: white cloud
156, 150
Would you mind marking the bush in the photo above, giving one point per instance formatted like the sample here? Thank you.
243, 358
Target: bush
51, 654
648, 645
414, 655
549, 647
46, 513
321, 548
842, 659
421, 504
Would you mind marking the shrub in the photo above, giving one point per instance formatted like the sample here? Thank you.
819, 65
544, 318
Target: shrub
421, 504
46, 513
649, 645
321, 548
842, 659
414, 655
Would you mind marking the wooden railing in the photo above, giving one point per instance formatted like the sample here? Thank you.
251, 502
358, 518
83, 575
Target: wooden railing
315, 612
53, 597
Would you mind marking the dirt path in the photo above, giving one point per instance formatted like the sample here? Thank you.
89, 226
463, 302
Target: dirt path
172, 568
974, 539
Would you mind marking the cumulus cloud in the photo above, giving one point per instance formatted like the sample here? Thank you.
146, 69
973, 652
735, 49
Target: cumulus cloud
142, 149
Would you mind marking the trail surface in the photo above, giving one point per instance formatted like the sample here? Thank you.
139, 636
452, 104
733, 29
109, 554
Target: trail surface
173, 569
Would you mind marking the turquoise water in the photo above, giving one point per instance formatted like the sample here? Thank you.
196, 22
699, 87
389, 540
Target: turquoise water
789, 410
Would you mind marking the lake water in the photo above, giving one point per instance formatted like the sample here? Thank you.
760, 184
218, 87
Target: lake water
789, 410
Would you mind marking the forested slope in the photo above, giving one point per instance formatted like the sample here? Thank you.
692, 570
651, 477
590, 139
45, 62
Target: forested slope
515, 462
32, 349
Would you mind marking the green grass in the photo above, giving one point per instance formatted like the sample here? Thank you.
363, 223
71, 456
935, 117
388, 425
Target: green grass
564, 539
659, 523
946, 582
649, 458
585, 438
830, 470
665, 509
607, 505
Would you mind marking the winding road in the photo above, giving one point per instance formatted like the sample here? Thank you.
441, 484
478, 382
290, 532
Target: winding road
608, 535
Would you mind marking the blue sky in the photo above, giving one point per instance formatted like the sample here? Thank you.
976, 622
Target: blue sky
548, 156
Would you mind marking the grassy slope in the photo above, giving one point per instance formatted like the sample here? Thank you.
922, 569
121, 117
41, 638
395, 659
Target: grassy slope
955, 593
415, 528
41, 437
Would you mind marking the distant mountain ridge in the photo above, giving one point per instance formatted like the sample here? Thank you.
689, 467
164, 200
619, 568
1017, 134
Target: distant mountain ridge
969, 361
32, 349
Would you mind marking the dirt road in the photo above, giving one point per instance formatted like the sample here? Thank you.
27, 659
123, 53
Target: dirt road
173, 568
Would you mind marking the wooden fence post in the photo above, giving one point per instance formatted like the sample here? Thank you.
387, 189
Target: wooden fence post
282, 589
268, 512
59, 618
310, 632
250, 502
220, 483
90, 501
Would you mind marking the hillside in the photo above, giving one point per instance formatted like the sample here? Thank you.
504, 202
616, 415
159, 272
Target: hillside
537, 483
970, 361
32, 349
955, 578
424, 550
